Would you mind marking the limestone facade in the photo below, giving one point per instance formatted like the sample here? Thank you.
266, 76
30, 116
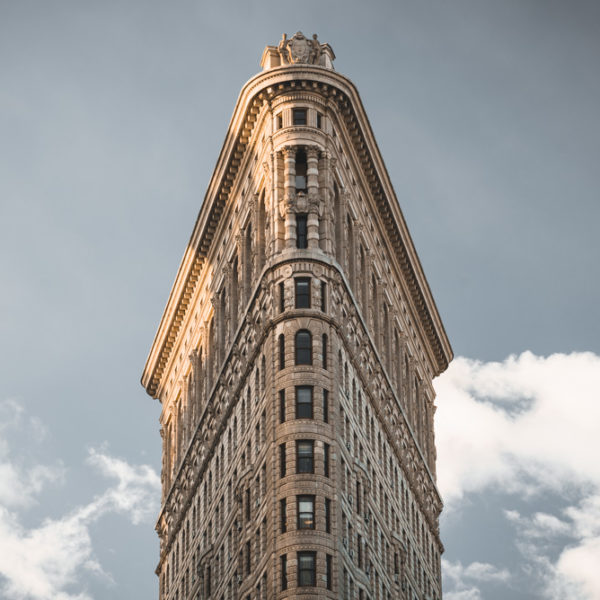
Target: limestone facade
294, 362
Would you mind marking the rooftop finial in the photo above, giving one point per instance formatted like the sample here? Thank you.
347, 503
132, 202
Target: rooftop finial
298, 50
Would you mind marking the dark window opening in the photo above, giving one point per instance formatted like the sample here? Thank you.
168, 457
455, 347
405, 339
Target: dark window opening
299, 116
326, 406
303, 347
327, 515
301, 171
304, 402
278, 122
281, 351
281, 406
281, 297
306, 568
301, 231
302, 292
306, 512
328, 571
319, 120
284, 582
305, 456
326, 460
283, 515
324, 349
282, 463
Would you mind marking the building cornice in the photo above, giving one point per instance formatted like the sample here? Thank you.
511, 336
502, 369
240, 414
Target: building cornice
263, 88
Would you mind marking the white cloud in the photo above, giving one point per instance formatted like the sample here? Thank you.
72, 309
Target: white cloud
463, 582
52, 559
530, 426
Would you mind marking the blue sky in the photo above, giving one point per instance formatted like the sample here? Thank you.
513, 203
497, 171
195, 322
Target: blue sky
112, 116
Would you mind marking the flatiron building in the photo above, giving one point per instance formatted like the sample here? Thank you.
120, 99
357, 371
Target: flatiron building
294, 362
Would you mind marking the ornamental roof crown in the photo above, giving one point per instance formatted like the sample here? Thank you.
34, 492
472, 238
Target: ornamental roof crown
298, 50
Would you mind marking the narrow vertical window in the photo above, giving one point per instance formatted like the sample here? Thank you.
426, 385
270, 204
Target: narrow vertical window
281, 297
324, 349
281, 406
303, 347
301, 171
284, 582
326, 460
323, 296
282, 465
281, 351
305, 460
328, 570
301, 231
305, 512
327, 515
306, 568
319, 120
326, 406
304, 402
278, 122
302, 288
283, 515
248, 559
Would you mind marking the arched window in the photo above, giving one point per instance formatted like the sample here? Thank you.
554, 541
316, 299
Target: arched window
281, 351
303, 347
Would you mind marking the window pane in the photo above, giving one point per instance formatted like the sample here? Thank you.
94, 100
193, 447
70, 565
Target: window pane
306, 568
305, 460
303, 348
303, 293
301, 225
299, 116
304, 404
306, 512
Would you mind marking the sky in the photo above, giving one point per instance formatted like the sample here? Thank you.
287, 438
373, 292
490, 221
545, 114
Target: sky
112, 116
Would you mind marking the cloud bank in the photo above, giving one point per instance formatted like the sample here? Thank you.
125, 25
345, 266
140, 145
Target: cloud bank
52, 559
529, 427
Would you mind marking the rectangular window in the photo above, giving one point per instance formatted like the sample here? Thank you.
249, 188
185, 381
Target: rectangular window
281, 297
307, 568
319, 120
327, 515
323, 296
281, 351
305, 512
283, 515
299, 116
302, 292
324, 349
284, 582
282, 464
328, 570
248, 559
359, 550
326, 460
305, 461
281, 406
304, 402
301, 231
278, 122
326, 406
